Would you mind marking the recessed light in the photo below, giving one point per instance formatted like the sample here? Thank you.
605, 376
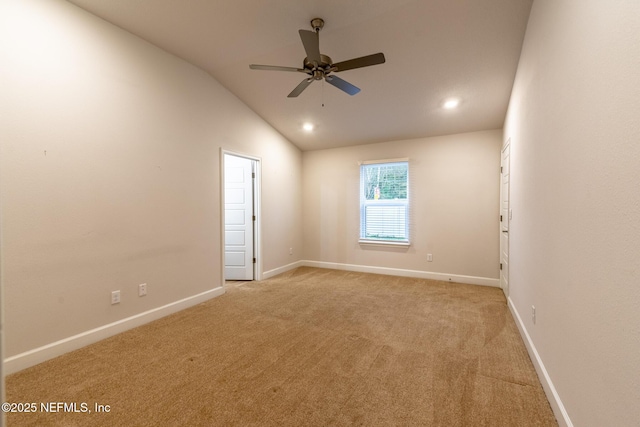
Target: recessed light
451, 103
308, 127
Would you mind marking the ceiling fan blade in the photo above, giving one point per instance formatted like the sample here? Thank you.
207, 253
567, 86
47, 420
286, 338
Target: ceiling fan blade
275, 68
342, 85
311, 43
302, 86
363, 61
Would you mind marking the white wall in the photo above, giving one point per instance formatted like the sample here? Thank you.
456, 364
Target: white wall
110, 174
574, 124
454, 198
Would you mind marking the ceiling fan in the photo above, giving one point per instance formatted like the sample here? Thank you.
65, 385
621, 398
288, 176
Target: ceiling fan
319, 66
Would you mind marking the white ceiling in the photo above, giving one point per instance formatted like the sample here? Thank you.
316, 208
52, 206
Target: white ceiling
434, 49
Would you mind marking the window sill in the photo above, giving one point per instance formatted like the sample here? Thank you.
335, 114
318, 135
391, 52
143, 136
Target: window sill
383, 243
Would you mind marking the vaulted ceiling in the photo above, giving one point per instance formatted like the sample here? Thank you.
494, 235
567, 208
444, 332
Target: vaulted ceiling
434, 49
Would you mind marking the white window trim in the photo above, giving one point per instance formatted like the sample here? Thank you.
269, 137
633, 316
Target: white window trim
372, 242
375, 162
375, 242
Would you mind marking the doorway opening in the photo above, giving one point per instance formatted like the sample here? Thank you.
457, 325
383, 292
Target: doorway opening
240, 217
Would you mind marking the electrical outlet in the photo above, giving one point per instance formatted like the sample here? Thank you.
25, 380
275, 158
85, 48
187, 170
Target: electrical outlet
290, 251
429, 257
533, 314
142, 289
115, 297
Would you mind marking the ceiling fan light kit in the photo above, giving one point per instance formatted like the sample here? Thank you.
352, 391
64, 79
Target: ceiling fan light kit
319, 66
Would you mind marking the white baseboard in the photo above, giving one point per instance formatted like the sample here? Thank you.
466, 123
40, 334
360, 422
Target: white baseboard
458, 278
552, 395
38, 355
280, 270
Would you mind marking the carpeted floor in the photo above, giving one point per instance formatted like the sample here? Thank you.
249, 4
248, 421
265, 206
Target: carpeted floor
311, 347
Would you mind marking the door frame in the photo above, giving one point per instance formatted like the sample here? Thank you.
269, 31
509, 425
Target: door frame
507, 145
257, 192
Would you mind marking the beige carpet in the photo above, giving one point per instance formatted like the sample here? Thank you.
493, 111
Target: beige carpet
311, 347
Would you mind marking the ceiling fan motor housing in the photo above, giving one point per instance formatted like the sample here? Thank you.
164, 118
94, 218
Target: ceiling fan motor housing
324, 65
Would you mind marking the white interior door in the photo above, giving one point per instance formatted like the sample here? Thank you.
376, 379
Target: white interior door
505, 216
238, 218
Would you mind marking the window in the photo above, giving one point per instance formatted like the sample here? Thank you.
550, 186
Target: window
384, 202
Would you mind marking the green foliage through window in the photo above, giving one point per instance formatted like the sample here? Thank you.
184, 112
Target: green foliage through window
386, 181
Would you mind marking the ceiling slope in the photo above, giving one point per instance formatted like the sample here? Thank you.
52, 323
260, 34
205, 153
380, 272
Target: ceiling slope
434, 50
